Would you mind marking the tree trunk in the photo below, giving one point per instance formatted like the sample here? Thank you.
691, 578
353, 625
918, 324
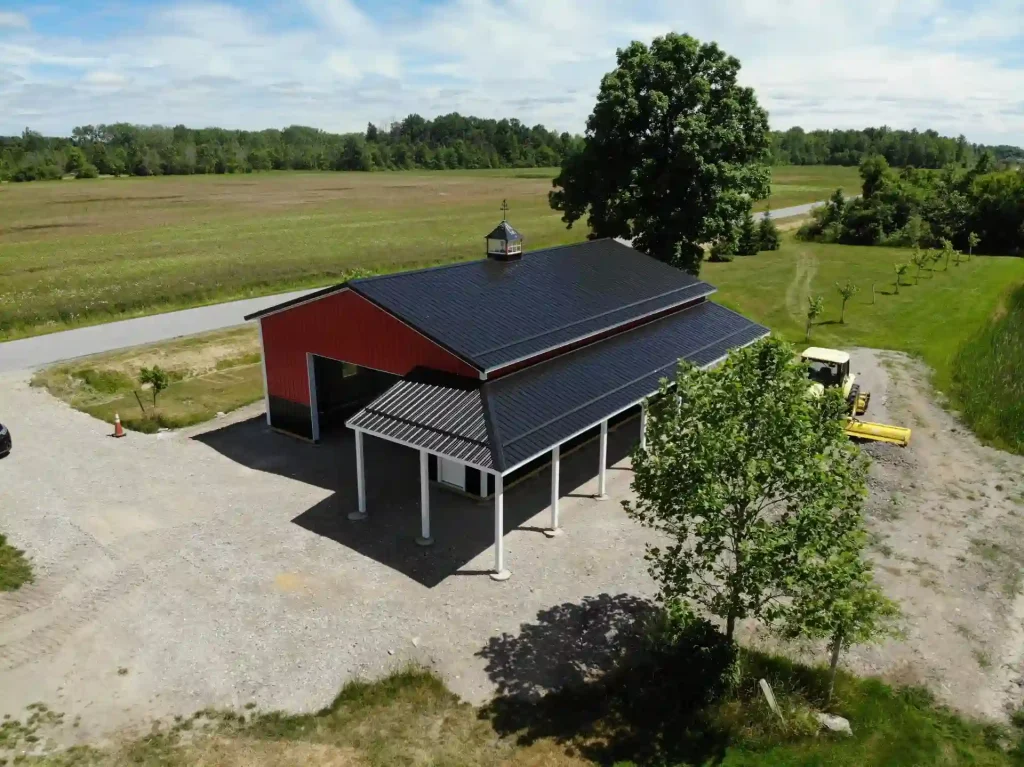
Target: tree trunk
837, 647
730, 626
842, 313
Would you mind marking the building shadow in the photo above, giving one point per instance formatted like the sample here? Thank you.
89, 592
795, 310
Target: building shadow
462, 527
583, 676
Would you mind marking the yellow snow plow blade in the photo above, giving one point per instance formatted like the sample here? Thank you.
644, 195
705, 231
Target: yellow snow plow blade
878, 432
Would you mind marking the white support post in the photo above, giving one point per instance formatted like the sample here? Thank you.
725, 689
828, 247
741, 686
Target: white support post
602, 478
424, 538
360, 479
500, 573
314, 413
555, 466
643, 425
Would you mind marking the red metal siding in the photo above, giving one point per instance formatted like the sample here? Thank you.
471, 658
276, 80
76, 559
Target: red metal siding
345, 326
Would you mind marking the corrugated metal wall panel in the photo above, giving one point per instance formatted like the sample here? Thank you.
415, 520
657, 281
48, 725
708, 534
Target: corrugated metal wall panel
345, 326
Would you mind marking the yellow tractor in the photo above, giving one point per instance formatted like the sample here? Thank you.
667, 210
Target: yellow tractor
830, 369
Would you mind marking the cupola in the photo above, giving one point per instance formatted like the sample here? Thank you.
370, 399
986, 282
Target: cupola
504, 243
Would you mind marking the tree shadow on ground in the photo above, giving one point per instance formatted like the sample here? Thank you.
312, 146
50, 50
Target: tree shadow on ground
583, 675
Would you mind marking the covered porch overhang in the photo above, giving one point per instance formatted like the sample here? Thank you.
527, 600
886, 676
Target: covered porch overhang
499, 426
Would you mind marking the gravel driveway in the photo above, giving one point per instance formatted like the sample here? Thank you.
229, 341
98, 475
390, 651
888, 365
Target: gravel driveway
216, 567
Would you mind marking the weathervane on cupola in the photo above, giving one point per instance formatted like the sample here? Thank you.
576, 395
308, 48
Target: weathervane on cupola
504, 243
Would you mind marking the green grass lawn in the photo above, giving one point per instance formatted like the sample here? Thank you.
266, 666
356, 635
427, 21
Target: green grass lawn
15, 570
930, 319
798, 184
83, 252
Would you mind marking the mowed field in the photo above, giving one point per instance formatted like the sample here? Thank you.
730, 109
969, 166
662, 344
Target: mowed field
82, 252
931, 318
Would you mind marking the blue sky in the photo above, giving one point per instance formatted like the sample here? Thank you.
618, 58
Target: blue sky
951, 65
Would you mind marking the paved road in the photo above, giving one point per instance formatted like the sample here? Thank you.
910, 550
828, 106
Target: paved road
795, 210
36, 352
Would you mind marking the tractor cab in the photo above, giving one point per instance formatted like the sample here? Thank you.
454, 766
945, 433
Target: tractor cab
830, 369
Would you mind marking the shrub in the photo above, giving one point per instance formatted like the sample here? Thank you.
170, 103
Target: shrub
748, 241
768, 233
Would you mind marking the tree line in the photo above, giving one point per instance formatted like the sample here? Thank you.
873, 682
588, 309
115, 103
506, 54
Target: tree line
446, 142
920, 149
962, 208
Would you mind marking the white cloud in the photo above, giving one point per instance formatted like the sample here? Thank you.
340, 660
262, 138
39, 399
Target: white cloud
338, 64
12, 19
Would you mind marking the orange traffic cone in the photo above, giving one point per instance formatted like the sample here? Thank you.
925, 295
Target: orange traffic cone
118, 429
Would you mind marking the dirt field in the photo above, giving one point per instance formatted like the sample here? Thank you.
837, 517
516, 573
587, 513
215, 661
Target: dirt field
215, 566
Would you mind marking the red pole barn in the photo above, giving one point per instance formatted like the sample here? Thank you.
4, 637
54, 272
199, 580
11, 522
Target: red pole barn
489, 368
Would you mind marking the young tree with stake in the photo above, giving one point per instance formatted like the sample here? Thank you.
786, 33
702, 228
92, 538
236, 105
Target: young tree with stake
815, 306
947, 251
901, 269
846, 291
920, 260
747, 476
835, 597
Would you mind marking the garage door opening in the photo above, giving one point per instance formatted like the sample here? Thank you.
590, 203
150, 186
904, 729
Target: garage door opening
340, 389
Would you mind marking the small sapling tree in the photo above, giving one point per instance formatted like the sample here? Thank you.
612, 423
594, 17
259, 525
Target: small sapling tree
901, 269
919, 260
972, 242
836, 598
946, 253
847, 290
157, 379
743, 473
815, 306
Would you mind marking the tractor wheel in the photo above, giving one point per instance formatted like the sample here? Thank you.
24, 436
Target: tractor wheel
862, 403
851, 401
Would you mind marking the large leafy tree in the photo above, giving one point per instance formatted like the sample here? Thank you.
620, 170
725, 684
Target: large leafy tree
674, 151
747, 477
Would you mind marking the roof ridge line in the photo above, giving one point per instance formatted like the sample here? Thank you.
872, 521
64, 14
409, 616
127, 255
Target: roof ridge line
456, 264
590, 346
524, 339
620, 387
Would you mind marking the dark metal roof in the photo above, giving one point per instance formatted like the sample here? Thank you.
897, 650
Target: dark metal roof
507, 421
504, 231
493, 313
